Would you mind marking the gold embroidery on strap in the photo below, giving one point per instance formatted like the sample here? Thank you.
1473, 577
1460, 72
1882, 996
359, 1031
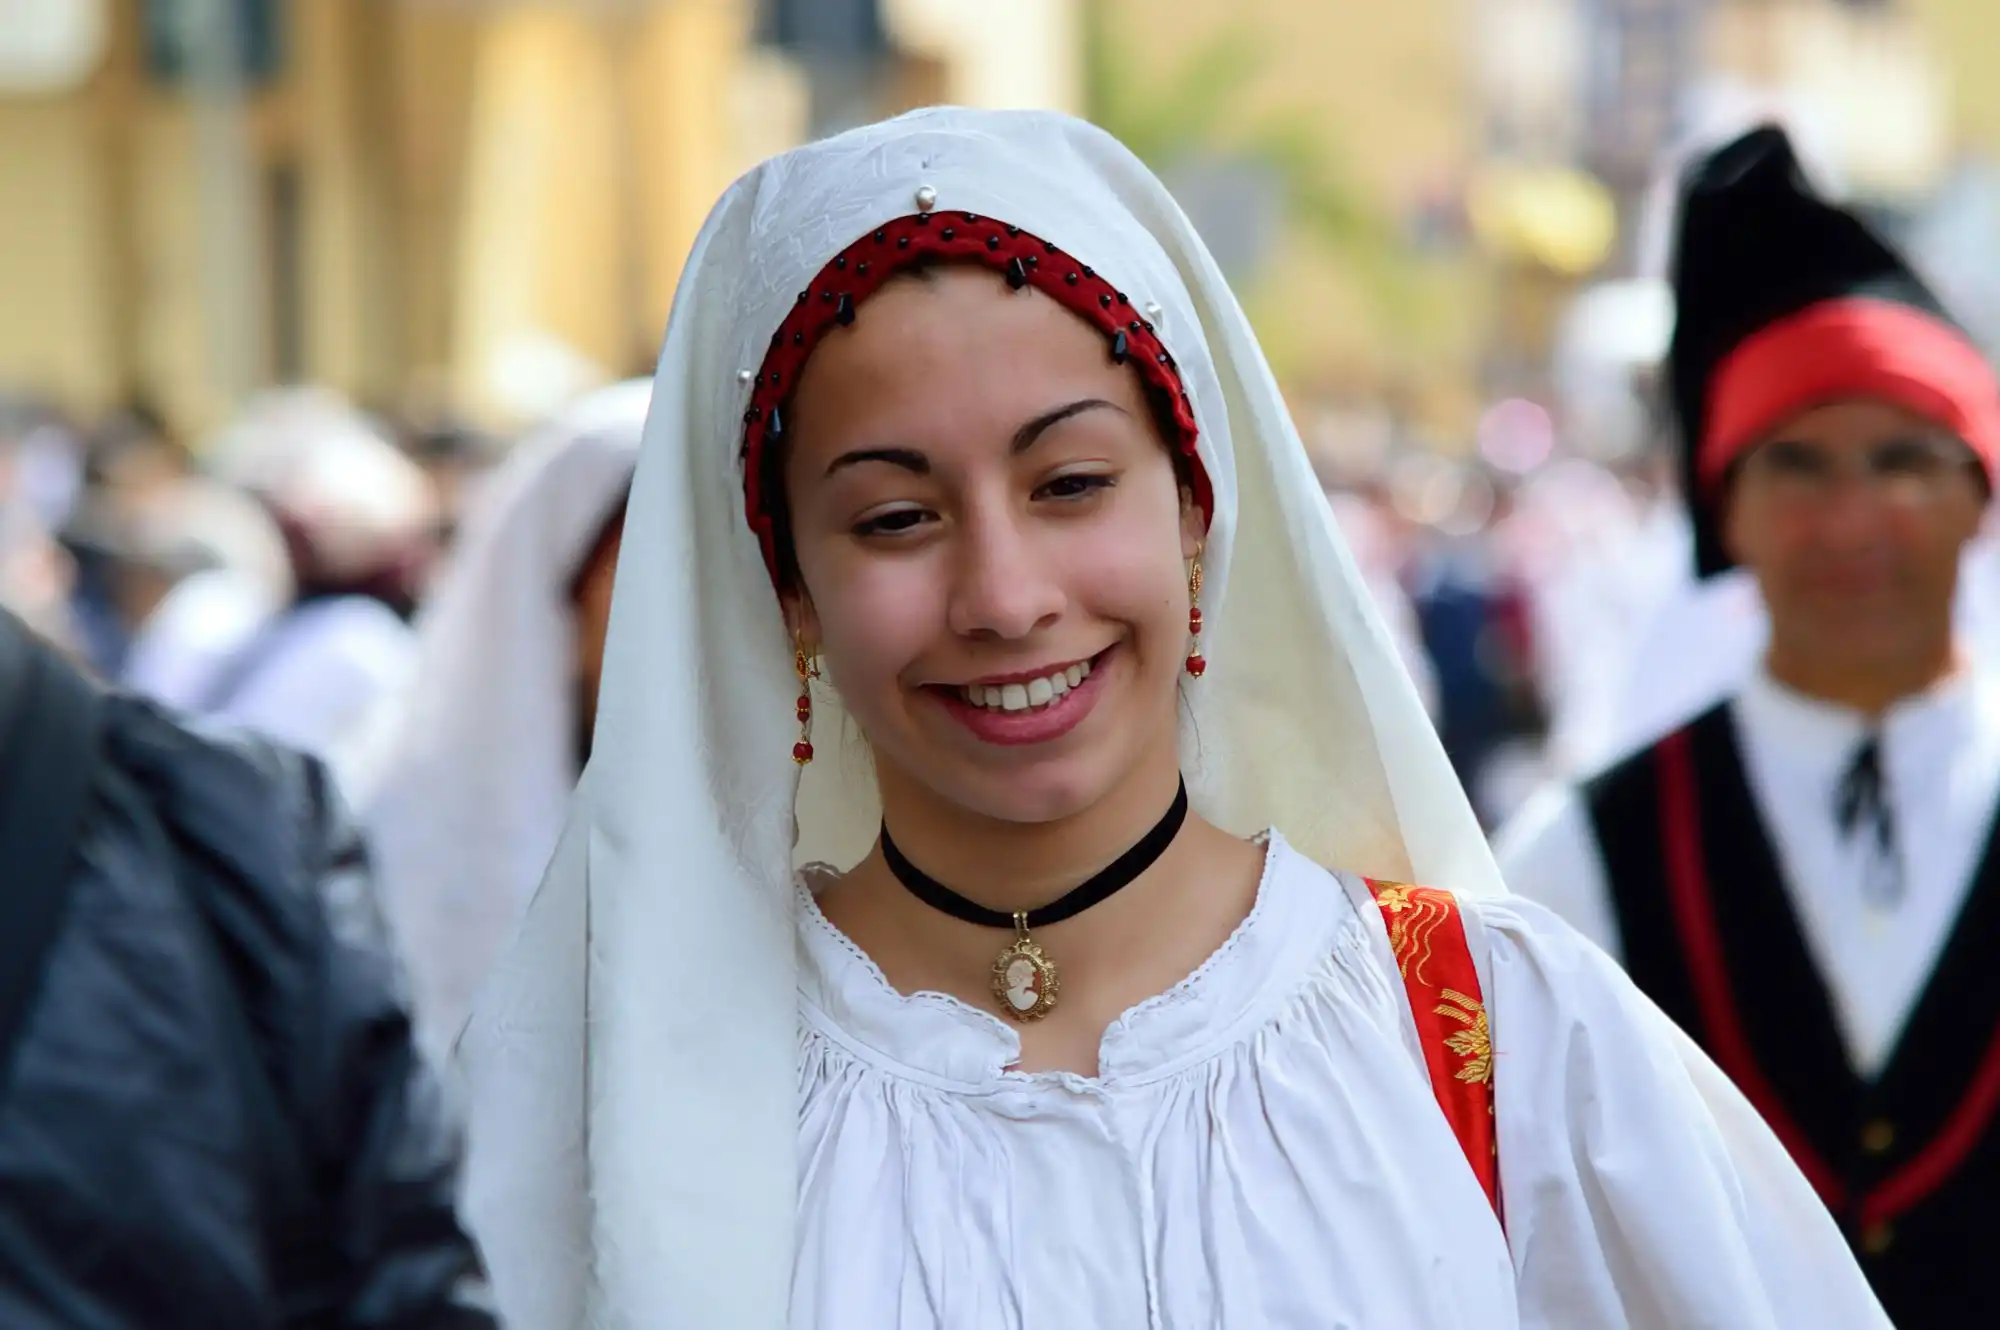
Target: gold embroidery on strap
1413, 914
1474, 1044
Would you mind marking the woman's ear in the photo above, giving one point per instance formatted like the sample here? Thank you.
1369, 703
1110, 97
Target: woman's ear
1194, 526
801, 619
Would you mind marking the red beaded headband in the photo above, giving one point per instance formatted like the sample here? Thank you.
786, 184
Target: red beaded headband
858, 271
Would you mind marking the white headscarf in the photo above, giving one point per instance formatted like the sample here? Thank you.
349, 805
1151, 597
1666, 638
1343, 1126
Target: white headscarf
632, 1066
465, 792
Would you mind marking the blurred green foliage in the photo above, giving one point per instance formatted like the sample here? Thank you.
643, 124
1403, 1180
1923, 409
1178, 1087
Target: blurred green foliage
1201, 107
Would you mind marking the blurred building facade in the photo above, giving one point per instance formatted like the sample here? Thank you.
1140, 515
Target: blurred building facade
1326, 165
479, 207
1453, 175
483, 205
1892, 102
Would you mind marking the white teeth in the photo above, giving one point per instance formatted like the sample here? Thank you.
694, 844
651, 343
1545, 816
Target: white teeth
1026, 696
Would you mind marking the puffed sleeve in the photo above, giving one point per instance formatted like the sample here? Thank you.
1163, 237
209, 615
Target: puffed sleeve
1641, 1190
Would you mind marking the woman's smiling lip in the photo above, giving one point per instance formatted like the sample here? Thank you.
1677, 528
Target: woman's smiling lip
1036, 725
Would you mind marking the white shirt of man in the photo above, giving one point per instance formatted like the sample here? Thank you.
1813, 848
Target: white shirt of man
1940, 761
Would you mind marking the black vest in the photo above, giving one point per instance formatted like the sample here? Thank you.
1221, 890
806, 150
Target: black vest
1908, 1163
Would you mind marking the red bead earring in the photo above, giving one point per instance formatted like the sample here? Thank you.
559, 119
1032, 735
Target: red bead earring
1195, 664
808, 670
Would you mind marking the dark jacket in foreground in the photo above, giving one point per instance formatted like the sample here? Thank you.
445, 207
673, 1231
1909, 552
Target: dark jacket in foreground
214, 1116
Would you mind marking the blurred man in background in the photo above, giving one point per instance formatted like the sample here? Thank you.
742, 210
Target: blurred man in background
199, 570
1472, 611
127, 458
1370, 529
455, 455
359, 523
1805, 877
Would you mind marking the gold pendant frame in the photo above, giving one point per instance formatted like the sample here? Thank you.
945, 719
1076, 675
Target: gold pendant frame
1026, 983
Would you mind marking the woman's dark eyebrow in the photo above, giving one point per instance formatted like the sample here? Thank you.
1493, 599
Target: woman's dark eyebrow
909, 459
1026, 436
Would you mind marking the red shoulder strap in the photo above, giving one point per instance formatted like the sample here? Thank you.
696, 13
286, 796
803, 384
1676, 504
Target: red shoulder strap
1428, 936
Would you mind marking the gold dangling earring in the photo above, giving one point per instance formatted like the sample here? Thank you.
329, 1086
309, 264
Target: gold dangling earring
808, 670
1195, 664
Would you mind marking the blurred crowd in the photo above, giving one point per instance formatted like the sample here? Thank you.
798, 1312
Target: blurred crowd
273, 575
418, 604
272, 581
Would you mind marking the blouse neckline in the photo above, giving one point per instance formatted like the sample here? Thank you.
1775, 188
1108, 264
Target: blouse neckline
937, 1039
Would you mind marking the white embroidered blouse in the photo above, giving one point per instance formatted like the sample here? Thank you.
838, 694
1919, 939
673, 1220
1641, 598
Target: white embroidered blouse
1262, 1150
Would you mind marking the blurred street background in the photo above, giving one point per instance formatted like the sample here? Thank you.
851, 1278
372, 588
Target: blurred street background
338, 255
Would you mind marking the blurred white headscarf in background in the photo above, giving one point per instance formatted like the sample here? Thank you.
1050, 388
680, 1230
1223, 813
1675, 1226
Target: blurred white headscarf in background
469, 771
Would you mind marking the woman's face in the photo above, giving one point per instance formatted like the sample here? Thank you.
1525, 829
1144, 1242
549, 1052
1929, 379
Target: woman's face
980, 500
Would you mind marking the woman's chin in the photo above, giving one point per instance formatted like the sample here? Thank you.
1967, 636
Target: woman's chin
1054, 799
1050, 789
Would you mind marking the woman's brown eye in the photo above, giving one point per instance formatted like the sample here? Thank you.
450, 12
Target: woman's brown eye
889, 524
1073, 487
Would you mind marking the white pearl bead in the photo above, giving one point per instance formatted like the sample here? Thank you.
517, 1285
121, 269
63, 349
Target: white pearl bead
1155, 315
744, 376
926, 198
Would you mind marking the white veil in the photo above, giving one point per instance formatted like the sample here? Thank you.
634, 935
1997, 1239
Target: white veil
632, 1066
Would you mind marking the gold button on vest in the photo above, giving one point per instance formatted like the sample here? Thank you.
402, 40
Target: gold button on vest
1878, 1136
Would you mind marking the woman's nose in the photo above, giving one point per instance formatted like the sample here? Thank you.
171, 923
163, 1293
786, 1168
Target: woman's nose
1003, 587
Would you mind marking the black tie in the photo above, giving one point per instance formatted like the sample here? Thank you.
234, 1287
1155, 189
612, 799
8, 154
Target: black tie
1862, 802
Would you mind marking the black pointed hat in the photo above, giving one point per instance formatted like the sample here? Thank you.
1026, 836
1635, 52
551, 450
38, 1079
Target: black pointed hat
1784, 301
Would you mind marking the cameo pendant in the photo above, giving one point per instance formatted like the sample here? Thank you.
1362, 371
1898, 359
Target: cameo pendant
1025, 981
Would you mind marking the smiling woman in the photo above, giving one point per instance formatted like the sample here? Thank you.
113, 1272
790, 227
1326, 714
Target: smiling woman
1106, 1015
